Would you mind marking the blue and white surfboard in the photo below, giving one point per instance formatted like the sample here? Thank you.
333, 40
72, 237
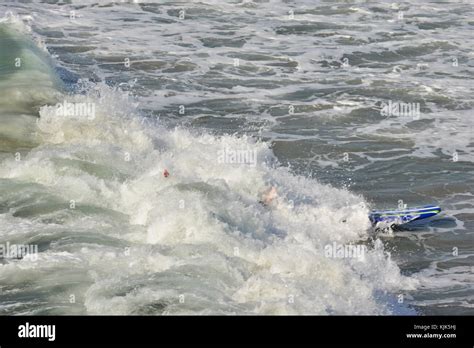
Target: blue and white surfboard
403, 216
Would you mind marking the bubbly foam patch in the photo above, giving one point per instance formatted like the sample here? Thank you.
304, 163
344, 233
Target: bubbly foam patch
129, 240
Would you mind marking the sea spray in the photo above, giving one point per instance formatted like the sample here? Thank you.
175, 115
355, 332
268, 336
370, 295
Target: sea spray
181, 232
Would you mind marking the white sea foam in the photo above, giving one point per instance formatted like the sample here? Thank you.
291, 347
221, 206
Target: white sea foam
205, 216
199, 241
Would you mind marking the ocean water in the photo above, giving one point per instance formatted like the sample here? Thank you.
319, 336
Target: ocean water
232, 98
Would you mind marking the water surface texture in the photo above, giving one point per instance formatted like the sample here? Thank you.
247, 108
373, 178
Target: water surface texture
306, 91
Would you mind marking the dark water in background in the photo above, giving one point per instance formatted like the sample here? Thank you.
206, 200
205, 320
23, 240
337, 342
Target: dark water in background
308, 77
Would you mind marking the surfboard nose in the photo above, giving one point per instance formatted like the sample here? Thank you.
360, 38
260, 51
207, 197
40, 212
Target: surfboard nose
404, 215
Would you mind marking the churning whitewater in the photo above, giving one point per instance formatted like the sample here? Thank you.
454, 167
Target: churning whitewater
117, 237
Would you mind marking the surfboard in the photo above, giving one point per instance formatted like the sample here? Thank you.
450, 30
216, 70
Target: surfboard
403, 216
